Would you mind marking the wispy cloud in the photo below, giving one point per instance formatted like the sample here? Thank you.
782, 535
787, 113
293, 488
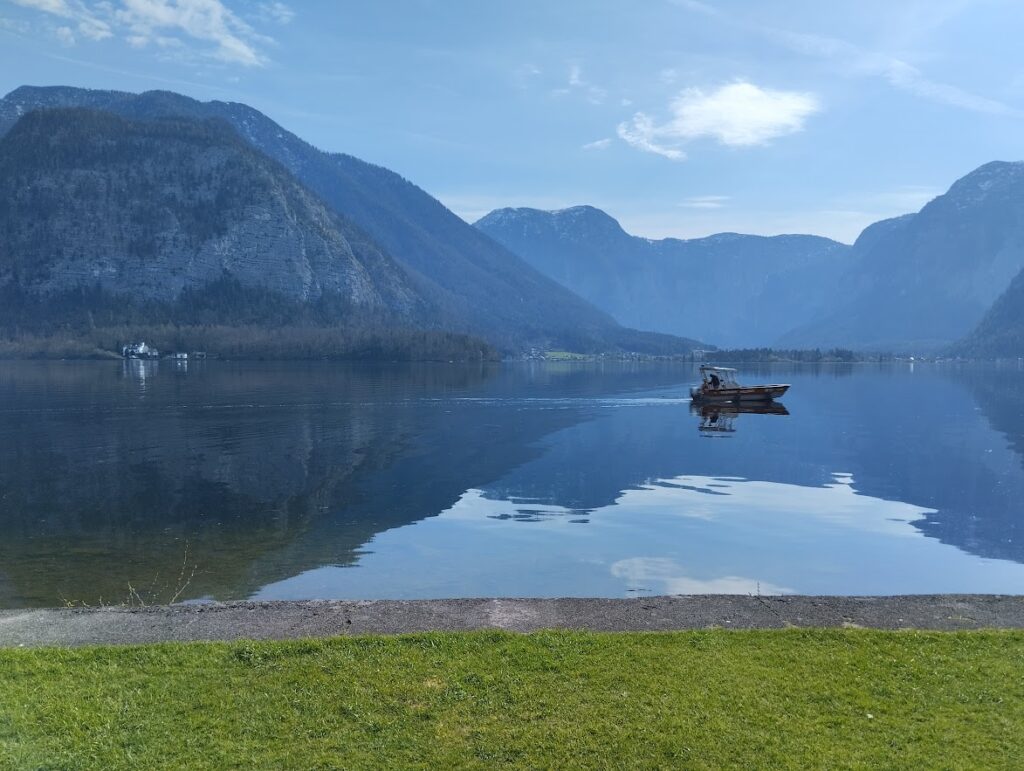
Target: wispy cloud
642, 134
599, 144
705, 202
860, 61
56, 7
576, 82
525, 75
739, 114
897, 72
211, 25
279, 13
89, 22
210, 21
693, 5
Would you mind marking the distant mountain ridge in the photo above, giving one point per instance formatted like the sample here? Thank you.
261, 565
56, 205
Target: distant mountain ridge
921, 281
476, 285
730, 289
914, 283
348, 229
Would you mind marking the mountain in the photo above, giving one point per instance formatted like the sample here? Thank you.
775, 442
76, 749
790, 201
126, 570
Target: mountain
152, 209
1000, 333
730, 289
479, 286
921, 281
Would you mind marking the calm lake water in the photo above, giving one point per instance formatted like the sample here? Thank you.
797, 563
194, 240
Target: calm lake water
227, 481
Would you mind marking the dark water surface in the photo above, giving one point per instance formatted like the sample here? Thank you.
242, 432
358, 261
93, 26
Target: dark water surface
121, 482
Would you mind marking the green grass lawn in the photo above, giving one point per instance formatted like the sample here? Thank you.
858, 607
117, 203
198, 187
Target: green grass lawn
792, 698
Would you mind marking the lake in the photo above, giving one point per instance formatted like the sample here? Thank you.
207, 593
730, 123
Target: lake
155, 481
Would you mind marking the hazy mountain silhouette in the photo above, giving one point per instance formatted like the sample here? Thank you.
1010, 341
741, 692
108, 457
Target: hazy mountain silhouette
728, 289
925, 280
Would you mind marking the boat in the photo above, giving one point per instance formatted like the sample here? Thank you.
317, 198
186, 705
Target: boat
718, 385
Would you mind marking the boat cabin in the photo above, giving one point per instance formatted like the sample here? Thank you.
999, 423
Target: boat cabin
717, 378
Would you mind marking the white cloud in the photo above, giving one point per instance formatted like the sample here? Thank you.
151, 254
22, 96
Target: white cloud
739, 114
56, 7
594, 94
65, 35
166, 24
279, 13
860, 61
204, 20
640, 571
641, 133
93, 28
89, 21
599, 144
705, 202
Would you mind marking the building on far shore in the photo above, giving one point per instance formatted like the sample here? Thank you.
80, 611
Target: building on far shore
139, 351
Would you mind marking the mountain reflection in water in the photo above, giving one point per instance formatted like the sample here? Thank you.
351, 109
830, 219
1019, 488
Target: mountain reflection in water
326, 480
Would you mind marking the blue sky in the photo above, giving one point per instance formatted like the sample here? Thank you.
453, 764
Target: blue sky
678, 117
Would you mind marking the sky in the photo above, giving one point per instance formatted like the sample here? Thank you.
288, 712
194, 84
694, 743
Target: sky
678, 117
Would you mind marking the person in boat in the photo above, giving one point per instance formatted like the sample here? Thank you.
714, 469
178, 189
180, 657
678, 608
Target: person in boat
715, 382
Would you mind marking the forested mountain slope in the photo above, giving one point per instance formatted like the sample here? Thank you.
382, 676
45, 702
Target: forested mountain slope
90, 200
477, 285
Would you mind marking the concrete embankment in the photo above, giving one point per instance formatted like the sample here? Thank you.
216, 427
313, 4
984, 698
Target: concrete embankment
287, 620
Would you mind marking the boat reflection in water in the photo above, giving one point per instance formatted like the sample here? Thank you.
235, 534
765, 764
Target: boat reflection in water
719, 419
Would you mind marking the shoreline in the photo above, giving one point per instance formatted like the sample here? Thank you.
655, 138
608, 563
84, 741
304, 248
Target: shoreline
284, 620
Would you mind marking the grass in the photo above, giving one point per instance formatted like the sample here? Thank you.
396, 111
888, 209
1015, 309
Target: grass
791, 698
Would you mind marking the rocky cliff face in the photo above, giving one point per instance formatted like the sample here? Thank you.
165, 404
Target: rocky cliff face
89, 199
479, 286
729, 289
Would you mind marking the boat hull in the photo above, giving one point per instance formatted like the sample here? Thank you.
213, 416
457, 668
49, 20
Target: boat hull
741, 395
